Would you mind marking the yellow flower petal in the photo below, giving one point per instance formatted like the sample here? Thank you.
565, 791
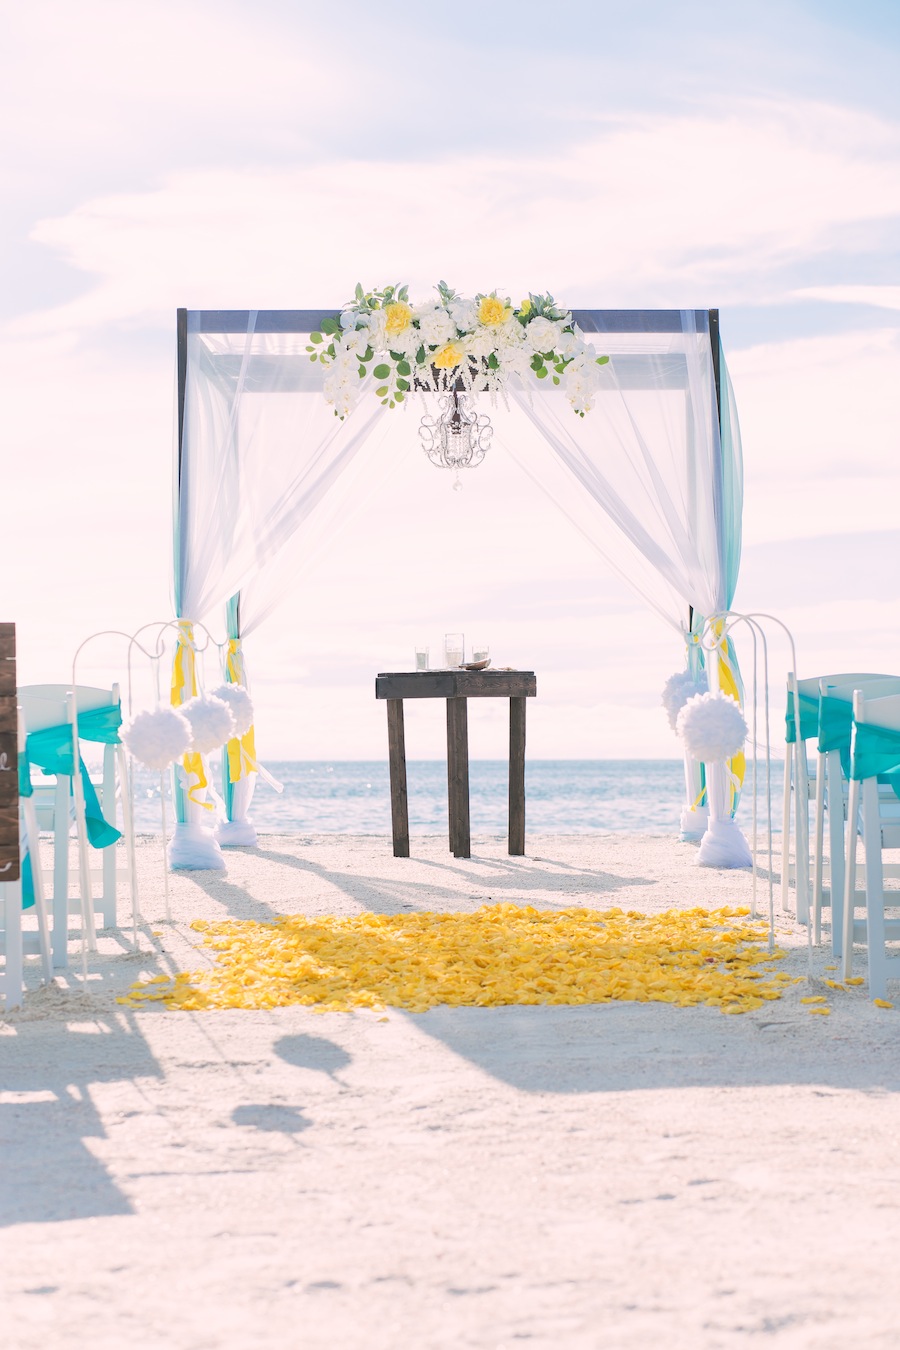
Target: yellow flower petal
882, 1003
815, 998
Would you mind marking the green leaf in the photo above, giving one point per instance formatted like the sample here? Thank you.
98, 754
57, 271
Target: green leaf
420, 356
602, 360
398, 397
542, 373
330, 326
556, 379
380, 393
550, 356
359, 292
397, 356
402, 384
314, 358
367, 354
403, 368
363, 373
493, 363
315, 337
382, 371
537, 361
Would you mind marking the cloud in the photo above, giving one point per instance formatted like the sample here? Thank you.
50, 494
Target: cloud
883, 297
652, 211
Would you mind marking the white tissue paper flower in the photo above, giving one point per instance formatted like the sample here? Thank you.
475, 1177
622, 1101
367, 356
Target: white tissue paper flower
240, 703
158, 736
678, 689
212, 722
712, 727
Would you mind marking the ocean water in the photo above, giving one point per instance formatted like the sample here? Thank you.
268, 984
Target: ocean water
562, 797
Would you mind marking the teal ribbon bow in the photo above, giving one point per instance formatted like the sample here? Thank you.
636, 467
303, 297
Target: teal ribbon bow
52, 750
875, 753
809, 717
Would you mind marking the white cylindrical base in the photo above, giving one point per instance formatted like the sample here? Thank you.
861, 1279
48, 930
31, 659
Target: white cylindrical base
194, 846
724, 845
236, 834
694, 820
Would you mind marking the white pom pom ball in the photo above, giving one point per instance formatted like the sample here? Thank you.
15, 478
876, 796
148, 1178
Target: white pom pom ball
211, 722
712, 727
240, 703
678, 689
158, 736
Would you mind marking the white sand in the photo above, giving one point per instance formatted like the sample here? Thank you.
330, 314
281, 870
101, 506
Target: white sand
626, 1175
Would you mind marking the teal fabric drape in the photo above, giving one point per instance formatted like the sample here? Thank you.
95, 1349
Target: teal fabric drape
875, 753
52, 750
809, 717
233, 629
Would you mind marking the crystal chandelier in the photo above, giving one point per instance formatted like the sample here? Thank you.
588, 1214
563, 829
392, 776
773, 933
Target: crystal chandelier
459, 437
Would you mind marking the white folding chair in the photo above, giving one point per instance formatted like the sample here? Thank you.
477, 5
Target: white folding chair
875, 749
18, 943
60, 803
832, 790
802, 726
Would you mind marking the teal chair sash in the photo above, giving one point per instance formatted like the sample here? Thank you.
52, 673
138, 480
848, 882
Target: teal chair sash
809, 717
52, 751
876, 754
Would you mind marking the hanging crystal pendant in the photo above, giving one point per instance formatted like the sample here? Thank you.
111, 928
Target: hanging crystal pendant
459, 437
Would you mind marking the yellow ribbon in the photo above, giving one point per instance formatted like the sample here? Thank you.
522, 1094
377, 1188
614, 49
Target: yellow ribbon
241, 750
737, 765
184, 686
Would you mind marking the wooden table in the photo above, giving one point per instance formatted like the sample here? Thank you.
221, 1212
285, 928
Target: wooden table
457, 686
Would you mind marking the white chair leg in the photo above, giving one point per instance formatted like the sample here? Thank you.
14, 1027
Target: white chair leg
875, 930
801, 832
108, 894
128, 829
786, 833
13, 983
819, 849
850, 880
40, 900
88, 928
836, 848
61, 874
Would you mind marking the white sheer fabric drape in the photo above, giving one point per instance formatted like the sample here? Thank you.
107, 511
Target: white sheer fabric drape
635, 475
262, 449
643, 477
261, 453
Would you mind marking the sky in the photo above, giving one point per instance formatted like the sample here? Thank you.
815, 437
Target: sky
271, 155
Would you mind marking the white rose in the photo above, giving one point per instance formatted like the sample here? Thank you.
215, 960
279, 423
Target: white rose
377, 335
542, 334
481, 343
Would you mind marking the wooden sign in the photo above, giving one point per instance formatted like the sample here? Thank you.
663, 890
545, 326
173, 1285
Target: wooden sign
9, 757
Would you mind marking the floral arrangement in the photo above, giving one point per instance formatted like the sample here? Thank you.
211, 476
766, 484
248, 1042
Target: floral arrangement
451, 343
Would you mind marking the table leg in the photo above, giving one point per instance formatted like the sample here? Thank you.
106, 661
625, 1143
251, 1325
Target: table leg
517, 776
397, 762
458, 776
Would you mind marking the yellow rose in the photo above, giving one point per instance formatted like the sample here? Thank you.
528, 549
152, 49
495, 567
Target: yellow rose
525, 307
397, 317
449, 356
492, 311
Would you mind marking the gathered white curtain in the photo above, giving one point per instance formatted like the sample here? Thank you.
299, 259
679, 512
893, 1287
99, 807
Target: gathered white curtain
261, 451
637, 475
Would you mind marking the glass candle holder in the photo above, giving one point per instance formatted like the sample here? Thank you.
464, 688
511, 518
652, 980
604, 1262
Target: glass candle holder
421, 658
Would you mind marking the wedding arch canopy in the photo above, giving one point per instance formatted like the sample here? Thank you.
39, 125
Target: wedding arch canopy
651, 475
